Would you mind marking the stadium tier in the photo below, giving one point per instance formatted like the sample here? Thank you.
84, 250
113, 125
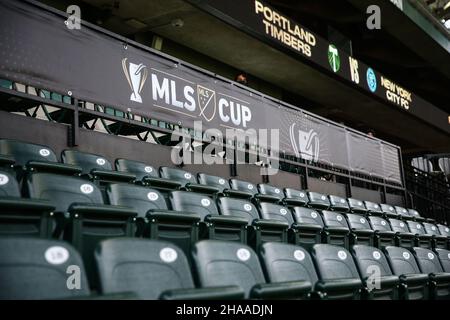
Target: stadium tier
129, 173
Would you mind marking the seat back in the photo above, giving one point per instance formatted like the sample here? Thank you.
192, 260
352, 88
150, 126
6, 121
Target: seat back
221, 263
285, 262
299, 196
402, 211
141, 199
358, 222
399, 226
241, 185
422, 164
367, 258
338, 203
333, 262
23, 152
431, 229
334, 219
145, 267
8, 185
269, 190
356, 205
444, 230
213, 181
237, 207
87, 161
413, 213
318, 200
416, 227
275, 212
444, 257
388, 209
62, 191
192, 202
307, 216
139, 169
373, 207
177, 175
40, 269
427, 260
379, 224
444, 165
401, 261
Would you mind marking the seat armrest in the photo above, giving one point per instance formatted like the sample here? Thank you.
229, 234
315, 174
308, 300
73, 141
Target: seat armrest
163, 183
21, 204
290, 289
54, 167
266, 197
388, 281
440, 277
363, 231
336, 285
202, 188
419, 278
309, 227
295, 202
237, 193
172, 215
340, 230
270, 223
6, 160
234, 220
385, 233
113, 175
212, 293
87, 208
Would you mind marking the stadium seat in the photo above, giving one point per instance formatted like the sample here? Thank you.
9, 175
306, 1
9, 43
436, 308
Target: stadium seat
379, 282
222, 185
413, 283
145, 174
361, 232
389, 211
268, 193
187, 180
242, 188
282, 214
384, 236
95, 166
422, 239
220, 263
214, 226
34, 269
318, 200
34, 157
21, 216
308, 227
416, 215
428, 262
438, 240
356, 206
445, 231
82, 215
258, 230
336, 230
444, 257
338, 204
403, 213
374, 209
295, 198
338, 276
286, 262
151, 270
404, 237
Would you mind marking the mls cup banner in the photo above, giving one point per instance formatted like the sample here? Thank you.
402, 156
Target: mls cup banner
95, 66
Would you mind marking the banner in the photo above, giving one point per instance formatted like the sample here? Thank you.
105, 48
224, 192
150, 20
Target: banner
39, 50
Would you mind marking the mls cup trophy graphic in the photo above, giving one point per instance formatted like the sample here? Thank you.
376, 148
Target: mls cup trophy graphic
136, 75
307, 146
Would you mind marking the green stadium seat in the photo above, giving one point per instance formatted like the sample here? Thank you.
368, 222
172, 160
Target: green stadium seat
428, 262
338, 276
276, 212
416, 215
422, 239
214, 226
36, 269
360, 231
187, 180
222, 185
404, 237
445, 231
268, 193
438, 240
373, 209
34, 157
152, 270
318, 200
308, 227
295, 198
384, 236
83, 218
413, 283
220, 263
243, 189
403, 213
357, 206
379, 282
389, 211
338, 204
336, 230
444, 257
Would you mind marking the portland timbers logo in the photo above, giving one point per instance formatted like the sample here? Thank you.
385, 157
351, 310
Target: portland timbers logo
333, 58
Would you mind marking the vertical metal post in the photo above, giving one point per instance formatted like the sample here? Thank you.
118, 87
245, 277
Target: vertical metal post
74, 130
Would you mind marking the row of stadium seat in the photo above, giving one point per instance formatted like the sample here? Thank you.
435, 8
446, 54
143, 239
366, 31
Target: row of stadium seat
152, 269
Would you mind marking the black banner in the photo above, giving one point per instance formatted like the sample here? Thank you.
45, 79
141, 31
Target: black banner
38, 49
